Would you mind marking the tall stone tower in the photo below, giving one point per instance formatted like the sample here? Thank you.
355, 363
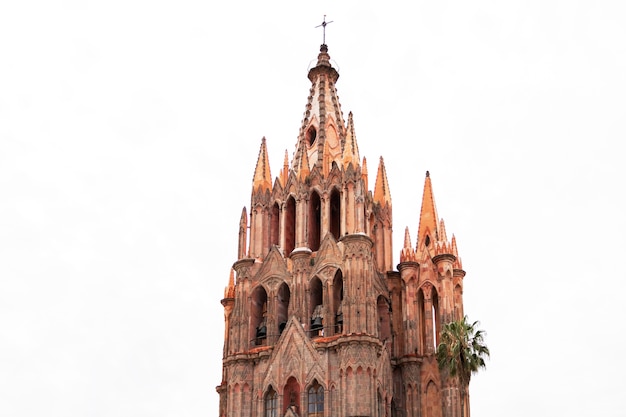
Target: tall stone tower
317, 321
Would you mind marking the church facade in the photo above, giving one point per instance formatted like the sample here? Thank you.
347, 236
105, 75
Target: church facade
318, 322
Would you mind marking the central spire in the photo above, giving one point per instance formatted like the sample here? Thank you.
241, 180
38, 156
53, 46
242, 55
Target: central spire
323, 131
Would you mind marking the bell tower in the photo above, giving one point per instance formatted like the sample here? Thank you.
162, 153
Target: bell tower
317, 321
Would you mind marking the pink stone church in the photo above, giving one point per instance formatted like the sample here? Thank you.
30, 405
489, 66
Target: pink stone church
318, 322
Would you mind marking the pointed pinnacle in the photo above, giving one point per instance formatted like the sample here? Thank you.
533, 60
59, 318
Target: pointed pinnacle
428, 213
284, 173
303, 169
262, 176
229, 291
381, 188
442, 231
364, 174
351, 149
407, 238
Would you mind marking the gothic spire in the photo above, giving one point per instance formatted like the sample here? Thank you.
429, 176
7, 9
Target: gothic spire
323, 130
427, 232
262, 177
303, 168
284, 173
351, 149
382, 194
407, 238
407, 253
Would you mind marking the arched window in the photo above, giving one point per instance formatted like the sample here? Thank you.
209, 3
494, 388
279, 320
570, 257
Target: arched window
384, 327
337, 301
316, 305
290, 226
381, 406
282, 308
258, 316
458, 302
271, 403
274, 224
315, 221
422, 321
435, 316
316, 400
291, 396
311, 135
335, 214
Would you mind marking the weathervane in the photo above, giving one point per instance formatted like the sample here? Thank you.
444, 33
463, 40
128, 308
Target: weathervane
323, 25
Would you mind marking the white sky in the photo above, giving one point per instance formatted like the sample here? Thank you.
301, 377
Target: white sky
129, 131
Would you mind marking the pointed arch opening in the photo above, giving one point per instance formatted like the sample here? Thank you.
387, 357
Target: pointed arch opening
291, 396
274, 224
290, 225
338, 301
435, 317
381, 406
458, 302
432, 402
271, 403
315, 399
315, 221
316, 299
246, 400
335, 214
311, 135
258, 316
384, 325
282, 307
421, 319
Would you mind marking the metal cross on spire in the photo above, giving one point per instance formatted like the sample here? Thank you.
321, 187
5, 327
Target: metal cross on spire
323, 26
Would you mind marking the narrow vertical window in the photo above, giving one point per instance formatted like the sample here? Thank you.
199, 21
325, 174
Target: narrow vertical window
315, 221
282, 308
316, 400
337, 301
335, 214
258, 316
317, 309
435, 316
290, 226
274, 224
271, 400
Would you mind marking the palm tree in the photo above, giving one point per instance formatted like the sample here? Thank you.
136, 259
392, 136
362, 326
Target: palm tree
461, 352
